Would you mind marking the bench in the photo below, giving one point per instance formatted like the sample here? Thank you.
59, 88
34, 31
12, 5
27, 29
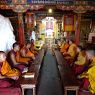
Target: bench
31, 83
68, 78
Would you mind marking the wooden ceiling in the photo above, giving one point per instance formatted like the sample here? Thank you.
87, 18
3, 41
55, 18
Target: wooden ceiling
68, 2
47, 4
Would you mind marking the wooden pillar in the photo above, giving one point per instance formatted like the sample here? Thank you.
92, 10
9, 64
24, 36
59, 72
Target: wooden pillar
77, 30
28, 22
21, 29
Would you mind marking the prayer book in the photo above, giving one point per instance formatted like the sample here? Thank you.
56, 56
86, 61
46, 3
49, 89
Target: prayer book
29, 75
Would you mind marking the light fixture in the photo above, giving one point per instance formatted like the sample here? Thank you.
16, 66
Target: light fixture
50, 10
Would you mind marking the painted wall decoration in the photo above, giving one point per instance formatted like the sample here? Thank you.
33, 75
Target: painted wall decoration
19, 8
9, 1
19, 1
29, 1
49, 25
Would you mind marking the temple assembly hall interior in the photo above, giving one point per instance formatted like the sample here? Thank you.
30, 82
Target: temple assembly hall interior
47, 47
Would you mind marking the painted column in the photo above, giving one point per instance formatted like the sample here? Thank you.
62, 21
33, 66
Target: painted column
77, 30
21, 29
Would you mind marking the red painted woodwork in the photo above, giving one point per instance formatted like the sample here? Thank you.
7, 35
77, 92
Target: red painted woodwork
21, 29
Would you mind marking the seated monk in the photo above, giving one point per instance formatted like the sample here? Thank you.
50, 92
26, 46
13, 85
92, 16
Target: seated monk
6, 69
88, 76
81, 61
13, 59
62, 44
32, 48
26, 53
21, 58
64, 47
8, 77
59, 44
71, 53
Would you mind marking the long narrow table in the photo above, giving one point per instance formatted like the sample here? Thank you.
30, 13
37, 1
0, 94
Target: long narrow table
31, 83
68, 78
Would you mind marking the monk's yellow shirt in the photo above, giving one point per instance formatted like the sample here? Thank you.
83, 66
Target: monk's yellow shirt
8, 71
81, 60
21, 59
91, 77
62, 45
93, 62
32, 47
64, 48
85, 74
72, 50
90, 74
29, 53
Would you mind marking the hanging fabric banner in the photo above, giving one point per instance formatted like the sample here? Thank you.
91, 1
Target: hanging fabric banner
68, 23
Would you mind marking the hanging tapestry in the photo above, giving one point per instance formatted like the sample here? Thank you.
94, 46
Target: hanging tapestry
68, 23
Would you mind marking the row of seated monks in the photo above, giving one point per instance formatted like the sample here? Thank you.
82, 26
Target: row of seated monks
12, 66
82, 62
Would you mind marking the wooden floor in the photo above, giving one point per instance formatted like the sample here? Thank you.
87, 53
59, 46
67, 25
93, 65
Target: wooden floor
49, 83
50, 80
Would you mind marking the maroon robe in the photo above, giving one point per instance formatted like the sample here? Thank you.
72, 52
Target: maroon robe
78, 69
19, 66
9, 86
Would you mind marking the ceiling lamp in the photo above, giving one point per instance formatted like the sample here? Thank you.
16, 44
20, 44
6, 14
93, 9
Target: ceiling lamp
50, 10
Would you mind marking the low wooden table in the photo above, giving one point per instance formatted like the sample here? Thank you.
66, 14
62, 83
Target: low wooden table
68, 78
31, 83
28, 83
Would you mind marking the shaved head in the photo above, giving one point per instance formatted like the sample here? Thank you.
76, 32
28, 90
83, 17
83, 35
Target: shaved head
90, 53
2, 56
